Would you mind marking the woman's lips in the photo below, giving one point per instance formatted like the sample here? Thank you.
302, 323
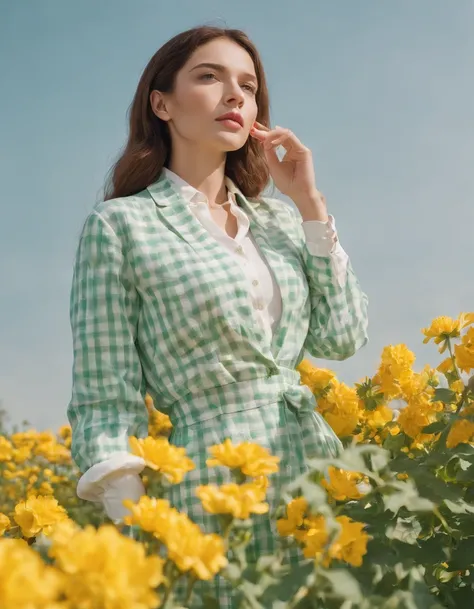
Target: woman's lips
230, 123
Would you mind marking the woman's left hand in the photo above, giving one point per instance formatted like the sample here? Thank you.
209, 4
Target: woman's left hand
293, 175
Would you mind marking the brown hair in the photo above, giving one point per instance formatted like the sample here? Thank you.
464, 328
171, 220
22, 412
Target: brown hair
148, 148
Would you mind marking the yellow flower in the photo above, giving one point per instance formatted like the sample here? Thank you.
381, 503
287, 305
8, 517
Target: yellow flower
340, 408
342, 485
415, 384
151, 514
159, 424
163, 457
457, 386
252, 459
6, 449
239, 500
191, 550
38, 514
210, 557
44, 488
351, 543
444, 327
378, 418
22, 454
261, 482
187, 546
31, 437
462, 432
4, 523
25, 581
464, 357
464, 353
65, 432
53, 452
295, 514
317, 379
395, 367
105, 569
413, 418
446, 366
316, 538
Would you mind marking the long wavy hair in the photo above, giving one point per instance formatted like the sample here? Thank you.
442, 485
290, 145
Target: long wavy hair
148, 147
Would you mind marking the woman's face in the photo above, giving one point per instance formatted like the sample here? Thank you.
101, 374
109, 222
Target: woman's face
218, 79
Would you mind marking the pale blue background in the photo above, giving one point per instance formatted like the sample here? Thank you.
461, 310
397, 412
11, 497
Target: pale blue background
381, 90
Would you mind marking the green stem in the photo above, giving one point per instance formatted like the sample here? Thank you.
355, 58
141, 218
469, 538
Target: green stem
170, 573
450, 349
458, 374
441, 518
189, 592
462, 400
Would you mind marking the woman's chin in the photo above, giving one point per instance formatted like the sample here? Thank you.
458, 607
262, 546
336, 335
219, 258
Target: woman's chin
229, 142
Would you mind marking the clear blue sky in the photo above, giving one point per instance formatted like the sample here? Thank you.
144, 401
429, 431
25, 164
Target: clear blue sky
382, 91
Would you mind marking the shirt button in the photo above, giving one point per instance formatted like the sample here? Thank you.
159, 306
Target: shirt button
259, 306
255, 282
239, 249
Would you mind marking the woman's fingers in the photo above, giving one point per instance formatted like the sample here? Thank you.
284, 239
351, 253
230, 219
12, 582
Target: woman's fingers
278, 136
261, 126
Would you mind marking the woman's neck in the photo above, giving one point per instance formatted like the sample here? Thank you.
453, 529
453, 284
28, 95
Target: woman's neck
203, 173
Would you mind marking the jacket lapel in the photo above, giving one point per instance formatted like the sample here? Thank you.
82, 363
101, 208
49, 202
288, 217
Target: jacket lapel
176, 214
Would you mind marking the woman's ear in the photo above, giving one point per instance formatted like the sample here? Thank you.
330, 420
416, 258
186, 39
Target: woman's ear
158, 105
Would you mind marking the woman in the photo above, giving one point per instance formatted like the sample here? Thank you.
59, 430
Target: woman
191, 286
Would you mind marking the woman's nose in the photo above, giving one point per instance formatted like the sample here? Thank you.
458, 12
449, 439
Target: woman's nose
235, 94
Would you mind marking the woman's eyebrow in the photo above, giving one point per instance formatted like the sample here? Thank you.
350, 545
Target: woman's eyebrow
220, 68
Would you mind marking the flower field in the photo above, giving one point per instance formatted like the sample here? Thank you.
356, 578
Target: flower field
388, 524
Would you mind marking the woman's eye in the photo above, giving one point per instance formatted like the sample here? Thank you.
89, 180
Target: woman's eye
250, 88
207, 76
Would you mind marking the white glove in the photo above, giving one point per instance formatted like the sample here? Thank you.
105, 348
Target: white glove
111, 481
117, 488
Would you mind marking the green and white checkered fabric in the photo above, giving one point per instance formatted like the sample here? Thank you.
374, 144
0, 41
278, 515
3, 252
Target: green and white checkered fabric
159, 306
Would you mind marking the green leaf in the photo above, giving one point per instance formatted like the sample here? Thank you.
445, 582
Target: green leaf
423, 598
314, 494
465, 450
289, 584
407, 497
434, 488
403, 464
344, 584
210, 602
251, 593
405, 530
435, 427
459, 507
232, 572
442, 394
265, 563
431, 551
395, 443
463, 555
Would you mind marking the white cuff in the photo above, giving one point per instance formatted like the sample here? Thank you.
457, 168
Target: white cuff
89, 486
321, 237
322, 241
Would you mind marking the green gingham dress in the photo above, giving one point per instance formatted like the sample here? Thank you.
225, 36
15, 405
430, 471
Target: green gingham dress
159, 306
